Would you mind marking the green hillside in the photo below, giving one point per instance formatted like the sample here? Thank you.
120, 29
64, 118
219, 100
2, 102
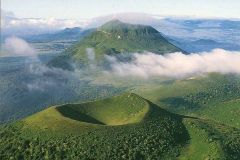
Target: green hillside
210, 140
213, 97
120, 110
116, 37
122, 127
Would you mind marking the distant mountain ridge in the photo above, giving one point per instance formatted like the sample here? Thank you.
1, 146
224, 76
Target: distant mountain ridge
66, 34
202, 45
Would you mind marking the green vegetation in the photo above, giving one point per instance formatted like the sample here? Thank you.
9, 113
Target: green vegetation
199, 146
123, 109
213, 97
210, 140
123, 127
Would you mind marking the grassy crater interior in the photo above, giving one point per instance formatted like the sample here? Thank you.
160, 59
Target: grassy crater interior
120, 110
114, 111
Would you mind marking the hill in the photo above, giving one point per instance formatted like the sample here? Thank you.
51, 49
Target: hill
214, 97
116, 37
121, 127
120, 110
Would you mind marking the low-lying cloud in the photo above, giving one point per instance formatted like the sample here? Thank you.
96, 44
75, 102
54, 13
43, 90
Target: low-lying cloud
45, 78
177, 65
40, 76
17, 46
90, 54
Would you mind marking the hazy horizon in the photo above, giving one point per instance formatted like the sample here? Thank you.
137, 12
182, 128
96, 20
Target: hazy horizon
89, 9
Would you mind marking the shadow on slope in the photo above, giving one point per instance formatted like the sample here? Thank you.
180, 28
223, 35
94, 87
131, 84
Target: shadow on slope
119, 110
67, 111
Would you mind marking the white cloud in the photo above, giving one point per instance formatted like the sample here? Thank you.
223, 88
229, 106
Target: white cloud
12, 25
177, 65
90, 54
17, 46
42, 23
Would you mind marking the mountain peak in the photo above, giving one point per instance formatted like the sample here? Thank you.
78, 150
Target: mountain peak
119, 26
116, 37
113, 22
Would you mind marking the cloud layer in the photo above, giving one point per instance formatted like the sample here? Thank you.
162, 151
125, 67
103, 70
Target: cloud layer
41, 23
177, 65
17, 46
12, 25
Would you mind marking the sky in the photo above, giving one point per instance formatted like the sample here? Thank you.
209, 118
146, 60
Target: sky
87, 9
